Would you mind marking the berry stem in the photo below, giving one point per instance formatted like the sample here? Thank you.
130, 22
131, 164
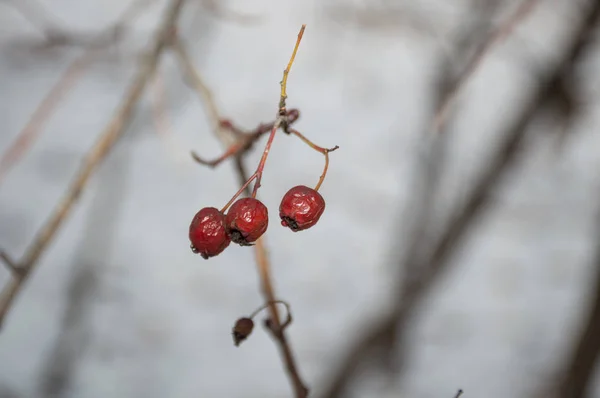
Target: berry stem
324, 151
287, 71
232, 150
263, 159
239, 192
266, 305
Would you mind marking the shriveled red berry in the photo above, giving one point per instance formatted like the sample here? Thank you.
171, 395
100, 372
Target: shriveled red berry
246, 220
208, 233
301, 208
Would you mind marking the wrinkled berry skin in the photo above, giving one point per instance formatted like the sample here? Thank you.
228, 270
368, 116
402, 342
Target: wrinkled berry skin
301, 208
246, 220
208, 233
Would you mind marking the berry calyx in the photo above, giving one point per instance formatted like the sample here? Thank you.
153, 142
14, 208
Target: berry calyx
208, 234
246, 220
301, 208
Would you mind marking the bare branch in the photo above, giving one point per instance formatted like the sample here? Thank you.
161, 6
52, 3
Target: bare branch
32, 130
113, 131
436, 263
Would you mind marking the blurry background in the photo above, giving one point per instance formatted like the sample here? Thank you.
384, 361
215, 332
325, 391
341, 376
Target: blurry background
120, 306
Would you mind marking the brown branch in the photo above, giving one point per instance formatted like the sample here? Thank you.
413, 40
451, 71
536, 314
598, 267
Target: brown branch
583, 359
113, 131
278, 332
436, 263
237, 149
191, 73
32, 130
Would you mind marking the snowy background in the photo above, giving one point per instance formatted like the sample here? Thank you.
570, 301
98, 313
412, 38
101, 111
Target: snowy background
120, 306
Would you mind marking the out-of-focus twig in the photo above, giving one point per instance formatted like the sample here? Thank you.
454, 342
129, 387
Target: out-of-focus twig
495, 37
437, 261
56, 36
583, 359
458, 394
65, 83
113, 131
218, 9
193, 76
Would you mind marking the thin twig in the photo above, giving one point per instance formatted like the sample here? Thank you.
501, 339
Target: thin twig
32, 130
437, 262
113, 131
458, 394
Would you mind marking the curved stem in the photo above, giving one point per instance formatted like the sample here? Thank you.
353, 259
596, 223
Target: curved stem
322, 177
267, 304
324, 151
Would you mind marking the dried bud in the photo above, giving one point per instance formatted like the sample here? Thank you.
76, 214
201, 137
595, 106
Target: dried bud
242, 329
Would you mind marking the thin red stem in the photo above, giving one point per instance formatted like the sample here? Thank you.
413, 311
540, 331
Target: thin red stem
263, 159
238, 193
324, 151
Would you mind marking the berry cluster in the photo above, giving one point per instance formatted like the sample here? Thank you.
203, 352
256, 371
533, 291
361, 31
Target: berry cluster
245, 220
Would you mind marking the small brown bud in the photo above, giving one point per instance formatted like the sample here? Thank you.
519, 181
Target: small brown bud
242, 329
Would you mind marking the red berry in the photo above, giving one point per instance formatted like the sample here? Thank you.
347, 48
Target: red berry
208, 233
246, 220
301, 208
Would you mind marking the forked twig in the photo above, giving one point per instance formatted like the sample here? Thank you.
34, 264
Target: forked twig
113, 131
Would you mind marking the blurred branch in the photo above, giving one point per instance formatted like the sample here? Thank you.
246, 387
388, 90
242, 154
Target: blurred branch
56, 35
495, 37
65, 83
582, 361
113, 131
217, 9
193, 76
242, 143
408, 297
458, 394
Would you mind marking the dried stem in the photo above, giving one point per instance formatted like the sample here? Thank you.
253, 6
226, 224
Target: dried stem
264, 272
286, 72
458, 394
324, 151
113, 131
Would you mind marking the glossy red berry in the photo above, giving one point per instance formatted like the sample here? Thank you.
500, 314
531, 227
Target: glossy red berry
301, 208
208, 233
246, 220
